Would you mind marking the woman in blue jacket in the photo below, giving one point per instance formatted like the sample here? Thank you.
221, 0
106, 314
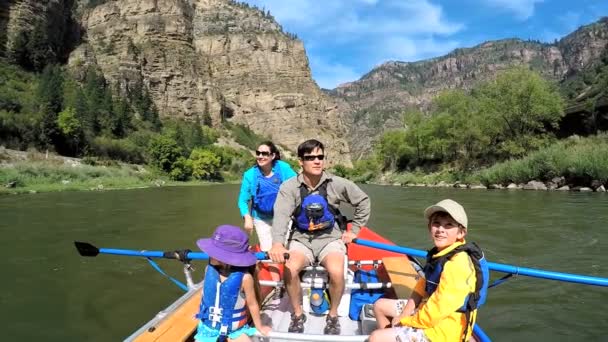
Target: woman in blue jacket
260, 186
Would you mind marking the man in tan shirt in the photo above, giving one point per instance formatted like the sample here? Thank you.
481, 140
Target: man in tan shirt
311, 201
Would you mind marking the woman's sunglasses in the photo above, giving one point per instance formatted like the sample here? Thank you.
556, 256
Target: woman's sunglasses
262, 153
313, 157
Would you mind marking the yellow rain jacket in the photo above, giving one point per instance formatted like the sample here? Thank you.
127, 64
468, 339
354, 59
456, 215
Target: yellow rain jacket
438, 316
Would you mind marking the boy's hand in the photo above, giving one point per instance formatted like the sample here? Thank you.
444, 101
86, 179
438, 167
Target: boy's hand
264, 330
396, 322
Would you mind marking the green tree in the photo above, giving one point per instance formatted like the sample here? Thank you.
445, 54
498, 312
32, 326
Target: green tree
106, 120
144, 106
49, 97
182, 169
39, 51
205, 164
465, 130
520, 106
123, 117
163, 152
392, 148
68, 123
71, 129
414, 136
94, 91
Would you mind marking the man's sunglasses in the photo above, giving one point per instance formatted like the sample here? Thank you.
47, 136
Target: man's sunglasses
311, 157
263, 153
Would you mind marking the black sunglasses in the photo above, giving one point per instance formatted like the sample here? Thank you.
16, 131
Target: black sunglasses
262, 153
313, 157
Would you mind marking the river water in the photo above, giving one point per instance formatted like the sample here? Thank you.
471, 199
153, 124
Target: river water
48, 292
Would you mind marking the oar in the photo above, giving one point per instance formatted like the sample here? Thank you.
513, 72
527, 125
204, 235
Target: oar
530, 272
88, 250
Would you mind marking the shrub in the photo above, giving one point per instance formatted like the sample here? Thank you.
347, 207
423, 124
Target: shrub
118, 149
163, 152
181, 169
205, 165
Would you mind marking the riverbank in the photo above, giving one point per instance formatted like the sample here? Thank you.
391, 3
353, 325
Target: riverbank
32, 172
573, 164
557, 184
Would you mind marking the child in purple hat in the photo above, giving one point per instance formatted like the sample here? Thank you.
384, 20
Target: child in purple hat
228, 288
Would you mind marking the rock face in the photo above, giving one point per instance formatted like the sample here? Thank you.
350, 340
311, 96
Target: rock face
42, 30
379, 98
264, 77
216, 58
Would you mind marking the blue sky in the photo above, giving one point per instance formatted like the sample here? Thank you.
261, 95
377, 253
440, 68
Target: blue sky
345, 39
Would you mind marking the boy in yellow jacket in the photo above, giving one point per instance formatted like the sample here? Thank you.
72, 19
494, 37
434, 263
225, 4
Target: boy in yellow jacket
436, 318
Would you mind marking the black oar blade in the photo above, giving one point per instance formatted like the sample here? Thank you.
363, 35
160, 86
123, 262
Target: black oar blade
86, 249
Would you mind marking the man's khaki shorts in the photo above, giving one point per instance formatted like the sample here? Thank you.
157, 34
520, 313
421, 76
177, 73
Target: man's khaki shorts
317, 250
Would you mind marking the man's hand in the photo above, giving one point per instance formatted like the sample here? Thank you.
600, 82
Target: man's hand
276, 252
248, 225
348, 237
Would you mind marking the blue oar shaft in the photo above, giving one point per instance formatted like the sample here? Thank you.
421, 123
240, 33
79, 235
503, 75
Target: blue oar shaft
530, 272
161, 254
480, 334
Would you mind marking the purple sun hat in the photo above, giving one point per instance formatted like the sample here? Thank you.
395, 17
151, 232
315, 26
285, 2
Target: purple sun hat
230, 245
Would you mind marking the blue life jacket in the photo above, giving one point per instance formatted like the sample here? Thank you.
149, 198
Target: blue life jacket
315, 213
434, 267
223, 307
474, 300
266, 191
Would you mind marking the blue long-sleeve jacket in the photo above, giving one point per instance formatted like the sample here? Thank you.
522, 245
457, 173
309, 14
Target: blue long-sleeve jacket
248, 186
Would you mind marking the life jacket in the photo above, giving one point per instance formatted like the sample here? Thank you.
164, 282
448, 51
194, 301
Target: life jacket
315, 213
266, 191
474, 300
223, 305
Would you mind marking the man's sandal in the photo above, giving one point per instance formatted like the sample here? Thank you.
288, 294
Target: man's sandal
297, 323
332, 326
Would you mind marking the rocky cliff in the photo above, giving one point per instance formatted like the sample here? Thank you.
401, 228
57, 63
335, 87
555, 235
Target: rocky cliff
34, 33
379, 98
214, 57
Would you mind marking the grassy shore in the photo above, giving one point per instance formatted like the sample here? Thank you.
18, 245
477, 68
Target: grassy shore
39, 176
580, 161
55, 175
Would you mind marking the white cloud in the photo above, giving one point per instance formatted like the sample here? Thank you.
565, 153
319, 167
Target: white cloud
523, 9
363, 31
329, 75
405, 49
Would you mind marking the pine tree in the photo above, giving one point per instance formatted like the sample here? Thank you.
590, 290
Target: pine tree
49, 97
123, 116
39, 51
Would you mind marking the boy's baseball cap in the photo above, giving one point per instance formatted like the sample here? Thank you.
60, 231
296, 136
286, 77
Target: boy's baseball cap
451, 207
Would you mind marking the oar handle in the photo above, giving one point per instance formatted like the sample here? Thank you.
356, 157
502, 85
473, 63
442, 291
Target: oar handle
186, 254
